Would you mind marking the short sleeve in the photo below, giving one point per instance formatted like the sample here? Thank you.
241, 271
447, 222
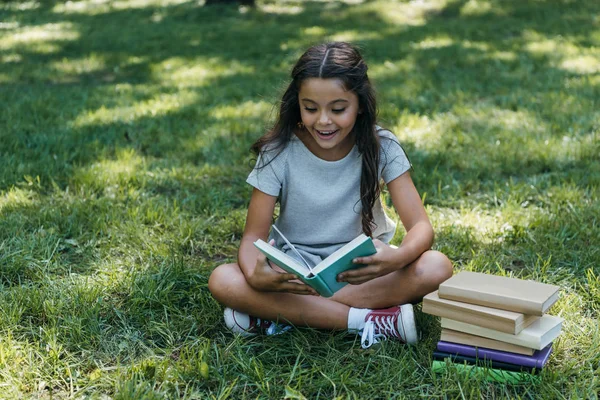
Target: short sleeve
393, 159
267, 175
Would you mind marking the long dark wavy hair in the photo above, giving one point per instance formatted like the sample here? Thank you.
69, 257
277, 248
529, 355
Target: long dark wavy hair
341, 61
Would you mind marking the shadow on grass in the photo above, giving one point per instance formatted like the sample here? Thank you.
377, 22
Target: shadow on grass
153, 35
119, 182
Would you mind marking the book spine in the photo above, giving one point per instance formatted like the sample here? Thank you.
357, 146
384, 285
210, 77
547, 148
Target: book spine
482, 362
467, 339
523, 306
490, 374
471, 317
536, 361
522, 339
317, 283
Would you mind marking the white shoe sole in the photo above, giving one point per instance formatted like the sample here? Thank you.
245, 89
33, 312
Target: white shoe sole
408, 323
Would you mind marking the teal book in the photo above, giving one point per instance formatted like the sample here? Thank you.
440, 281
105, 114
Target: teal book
489, 374
323, 276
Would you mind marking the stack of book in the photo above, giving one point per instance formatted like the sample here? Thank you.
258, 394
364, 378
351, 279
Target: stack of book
493, 325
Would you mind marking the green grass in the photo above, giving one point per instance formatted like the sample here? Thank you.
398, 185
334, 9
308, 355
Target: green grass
124, 135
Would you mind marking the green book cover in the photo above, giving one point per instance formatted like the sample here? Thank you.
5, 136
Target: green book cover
490, 374
322, 277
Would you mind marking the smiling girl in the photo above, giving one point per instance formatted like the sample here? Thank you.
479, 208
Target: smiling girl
324, 159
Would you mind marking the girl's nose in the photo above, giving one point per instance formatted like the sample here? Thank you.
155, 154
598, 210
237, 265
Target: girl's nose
324, 118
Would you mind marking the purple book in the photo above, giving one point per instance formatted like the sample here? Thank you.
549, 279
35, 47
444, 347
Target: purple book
537, 360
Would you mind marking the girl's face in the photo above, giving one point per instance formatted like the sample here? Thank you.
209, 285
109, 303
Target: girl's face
328, 112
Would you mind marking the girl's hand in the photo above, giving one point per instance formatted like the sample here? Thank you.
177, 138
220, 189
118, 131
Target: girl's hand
265, 279
379, 264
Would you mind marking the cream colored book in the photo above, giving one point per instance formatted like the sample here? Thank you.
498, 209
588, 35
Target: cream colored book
487, 317
536, 336
449, 335
512, 294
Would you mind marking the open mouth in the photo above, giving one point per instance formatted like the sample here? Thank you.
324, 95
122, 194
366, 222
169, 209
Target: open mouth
326, 134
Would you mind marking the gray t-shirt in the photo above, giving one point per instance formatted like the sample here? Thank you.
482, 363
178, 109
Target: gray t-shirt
320, 200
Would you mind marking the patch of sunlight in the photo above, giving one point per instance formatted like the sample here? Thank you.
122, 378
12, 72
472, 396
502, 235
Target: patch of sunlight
91, 63
497, 118
428, 133
13, 57
40, 38
9, 25
93, 7
539, 44
479, 7
16, 197
411, 13
570, 147
5, 78
480, 222
21, 5
420, 130
105, 173
503, 55
481, 46
354, 36
585, 64
16, 354
281, 9
433, 43
248, 109
391, 68
314, 31
184, 72
161, 104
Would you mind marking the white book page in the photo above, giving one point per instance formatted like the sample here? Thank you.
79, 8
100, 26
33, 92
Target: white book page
293, 248
278, 257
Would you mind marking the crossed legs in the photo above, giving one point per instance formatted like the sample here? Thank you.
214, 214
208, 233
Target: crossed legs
228, 285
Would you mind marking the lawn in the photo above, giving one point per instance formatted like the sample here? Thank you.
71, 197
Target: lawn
124, 136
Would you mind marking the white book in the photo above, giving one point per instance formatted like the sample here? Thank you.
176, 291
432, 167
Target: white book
536, 336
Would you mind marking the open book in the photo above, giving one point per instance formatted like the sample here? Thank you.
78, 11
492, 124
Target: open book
321, 277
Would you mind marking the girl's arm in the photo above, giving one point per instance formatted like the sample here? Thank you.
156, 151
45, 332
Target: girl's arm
408, 205
252, 262
418, 238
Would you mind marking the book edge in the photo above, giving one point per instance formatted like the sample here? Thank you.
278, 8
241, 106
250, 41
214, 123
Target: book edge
497, 313
459, 337
507, 326
490, 300
339, 253
537, 360
539, 304
524, 338
268, 250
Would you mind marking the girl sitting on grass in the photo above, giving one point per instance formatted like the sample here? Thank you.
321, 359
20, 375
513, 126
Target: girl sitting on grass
325, 158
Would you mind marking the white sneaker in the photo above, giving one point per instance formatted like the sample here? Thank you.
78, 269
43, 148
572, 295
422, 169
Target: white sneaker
394, 322
247, 325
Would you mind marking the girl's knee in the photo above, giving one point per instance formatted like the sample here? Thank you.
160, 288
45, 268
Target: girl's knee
223, 279
439, 267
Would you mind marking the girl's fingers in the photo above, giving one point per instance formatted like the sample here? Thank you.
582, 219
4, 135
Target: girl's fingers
297, 288
364, 276
287, 277
363, 260
358, 273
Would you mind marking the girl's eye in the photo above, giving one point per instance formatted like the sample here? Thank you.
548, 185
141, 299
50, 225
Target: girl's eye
338, 111
310, 110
